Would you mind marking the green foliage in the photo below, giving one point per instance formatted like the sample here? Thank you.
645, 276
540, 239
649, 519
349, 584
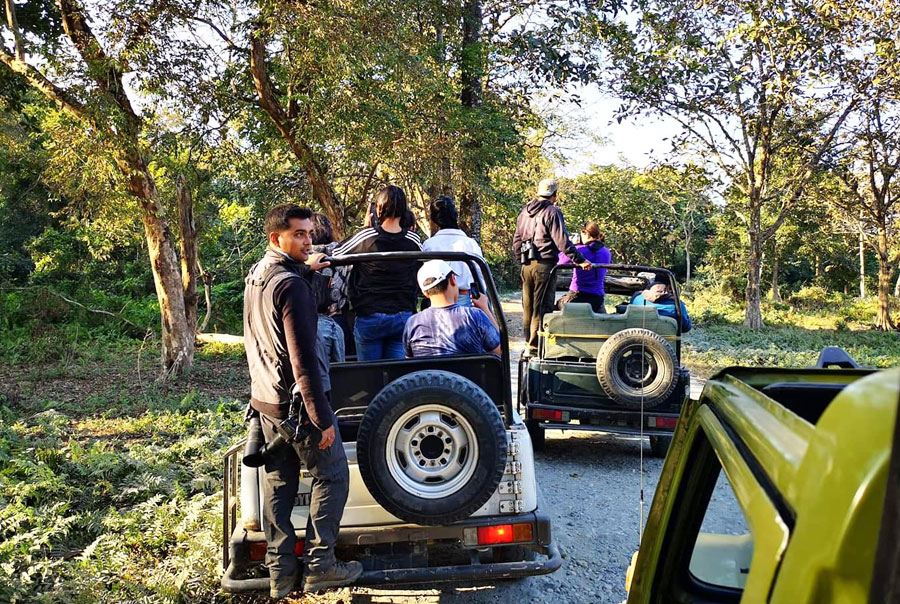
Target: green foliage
644, 214
108, 507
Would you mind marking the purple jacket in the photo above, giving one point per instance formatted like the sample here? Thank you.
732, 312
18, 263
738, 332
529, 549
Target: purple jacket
591, 281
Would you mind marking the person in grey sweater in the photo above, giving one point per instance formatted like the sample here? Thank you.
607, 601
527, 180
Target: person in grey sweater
539, 238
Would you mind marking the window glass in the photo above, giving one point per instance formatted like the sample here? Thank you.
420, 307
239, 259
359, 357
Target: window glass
724, 546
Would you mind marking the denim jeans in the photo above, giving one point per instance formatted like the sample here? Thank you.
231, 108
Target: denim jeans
380, 336
464, 299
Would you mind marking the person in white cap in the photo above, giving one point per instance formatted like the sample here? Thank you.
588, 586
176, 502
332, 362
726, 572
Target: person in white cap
446, 327
540, 237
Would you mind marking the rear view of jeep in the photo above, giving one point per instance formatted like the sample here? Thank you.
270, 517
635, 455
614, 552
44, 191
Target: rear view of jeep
616, 372
442, 481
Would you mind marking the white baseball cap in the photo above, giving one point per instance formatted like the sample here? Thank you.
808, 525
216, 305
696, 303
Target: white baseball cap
433, 273
547, 187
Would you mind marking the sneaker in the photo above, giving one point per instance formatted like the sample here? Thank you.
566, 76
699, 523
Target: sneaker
340, 574
281, 587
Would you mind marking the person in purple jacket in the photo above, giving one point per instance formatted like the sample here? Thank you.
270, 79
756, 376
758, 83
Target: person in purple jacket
587, 285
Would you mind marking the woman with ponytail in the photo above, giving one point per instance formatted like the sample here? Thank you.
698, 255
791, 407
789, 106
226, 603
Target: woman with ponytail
587, 285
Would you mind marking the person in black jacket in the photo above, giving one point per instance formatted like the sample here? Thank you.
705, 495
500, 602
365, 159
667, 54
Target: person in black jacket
540, 237
280, 341
383, 292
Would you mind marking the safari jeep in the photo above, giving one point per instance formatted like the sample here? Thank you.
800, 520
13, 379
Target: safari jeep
774, 490
442, 481
619, 372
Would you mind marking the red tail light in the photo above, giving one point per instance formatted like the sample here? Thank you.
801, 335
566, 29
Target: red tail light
504, 533
300, 547
258, 550
662, 422
491, 535
551, 414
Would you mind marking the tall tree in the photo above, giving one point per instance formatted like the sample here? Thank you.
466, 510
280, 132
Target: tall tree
472, 70
871, 178
753, 85
73, 69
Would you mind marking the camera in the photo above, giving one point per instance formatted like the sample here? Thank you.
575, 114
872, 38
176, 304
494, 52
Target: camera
290, 431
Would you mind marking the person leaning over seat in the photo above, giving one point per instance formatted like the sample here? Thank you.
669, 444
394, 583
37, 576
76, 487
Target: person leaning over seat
280, 342
446, 327
449, 238
659, 296
539, 238
587, 285
382, 292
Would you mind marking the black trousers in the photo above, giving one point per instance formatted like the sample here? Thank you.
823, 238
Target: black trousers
538, 293
281, 480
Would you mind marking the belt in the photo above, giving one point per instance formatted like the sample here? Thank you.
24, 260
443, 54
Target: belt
463, 291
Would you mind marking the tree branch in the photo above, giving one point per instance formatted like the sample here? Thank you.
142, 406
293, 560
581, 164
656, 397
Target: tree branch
138, 328
106, 74
13, 23
808, 171
39, 81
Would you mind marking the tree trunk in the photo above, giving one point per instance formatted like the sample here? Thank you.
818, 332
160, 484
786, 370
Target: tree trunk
470, 209
776, 295
177, 335
753, 315
322, 191
188, 233
687, 261
207, 279
883, 319
862, 262
471, 70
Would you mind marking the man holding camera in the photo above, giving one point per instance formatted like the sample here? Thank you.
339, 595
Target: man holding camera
280, 341
540, 236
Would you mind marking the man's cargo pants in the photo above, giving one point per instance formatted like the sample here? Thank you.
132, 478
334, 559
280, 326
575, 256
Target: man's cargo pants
281, 479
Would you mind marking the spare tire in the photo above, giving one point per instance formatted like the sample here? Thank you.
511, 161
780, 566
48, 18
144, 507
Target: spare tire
636, 365
431, 447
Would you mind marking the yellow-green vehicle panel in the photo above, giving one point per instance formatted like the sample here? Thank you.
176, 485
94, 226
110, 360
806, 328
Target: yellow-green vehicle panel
806, 453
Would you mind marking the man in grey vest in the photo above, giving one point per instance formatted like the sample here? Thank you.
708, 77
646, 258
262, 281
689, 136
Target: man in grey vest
540, 236
280, 341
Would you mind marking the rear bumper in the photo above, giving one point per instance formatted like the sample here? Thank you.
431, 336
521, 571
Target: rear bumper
438, 574
548, 561
604, 420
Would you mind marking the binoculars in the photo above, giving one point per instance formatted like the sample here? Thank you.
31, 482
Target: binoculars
528, 252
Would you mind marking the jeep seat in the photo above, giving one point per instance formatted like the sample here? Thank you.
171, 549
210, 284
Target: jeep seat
578, 332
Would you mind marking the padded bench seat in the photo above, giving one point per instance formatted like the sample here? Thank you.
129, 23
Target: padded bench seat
577, 331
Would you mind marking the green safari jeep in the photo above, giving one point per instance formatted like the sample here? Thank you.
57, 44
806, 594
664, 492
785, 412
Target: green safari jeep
774, 490
616, 372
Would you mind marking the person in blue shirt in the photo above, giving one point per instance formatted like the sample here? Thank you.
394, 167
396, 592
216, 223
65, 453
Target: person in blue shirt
659, 296
446, 327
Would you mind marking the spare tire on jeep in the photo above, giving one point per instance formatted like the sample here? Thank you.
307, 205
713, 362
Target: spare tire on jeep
431, 447
636, 365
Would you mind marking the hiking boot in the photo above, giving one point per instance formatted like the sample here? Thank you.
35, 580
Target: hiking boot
281, 587
340, 574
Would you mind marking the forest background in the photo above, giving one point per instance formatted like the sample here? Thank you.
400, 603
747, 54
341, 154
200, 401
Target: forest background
142, 142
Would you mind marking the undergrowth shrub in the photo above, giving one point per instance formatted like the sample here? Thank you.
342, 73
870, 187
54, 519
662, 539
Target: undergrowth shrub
114, 509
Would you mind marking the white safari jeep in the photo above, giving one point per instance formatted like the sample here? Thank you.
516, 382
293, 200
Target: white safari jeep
442, 482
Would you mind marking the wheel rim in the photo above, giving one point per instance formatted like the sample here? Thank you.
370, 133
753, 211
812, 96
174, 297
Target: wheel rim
431, 451
636, 368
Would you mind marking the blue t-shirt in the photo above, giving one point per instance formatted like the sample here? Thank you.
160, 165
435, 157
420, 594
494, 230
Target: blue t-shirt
449, 330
